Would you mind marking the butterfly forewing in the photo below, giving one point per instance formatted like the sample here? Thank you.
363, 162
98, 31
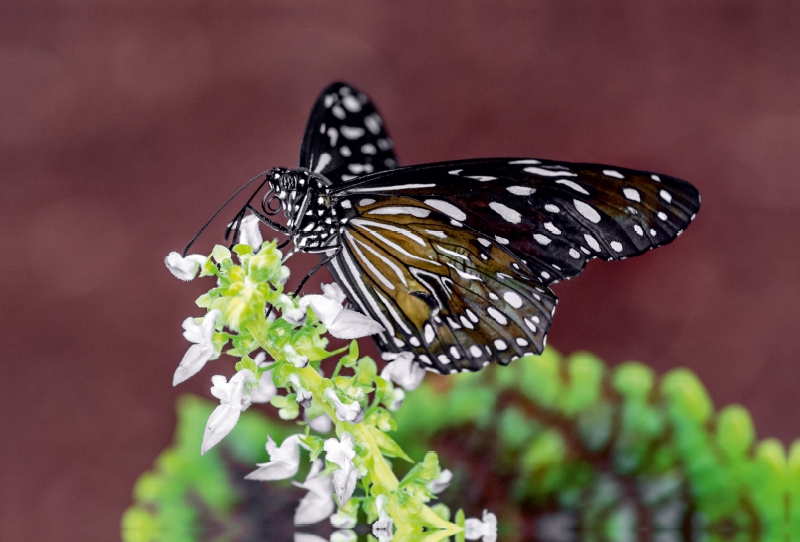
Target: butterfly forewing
554, 216
345, 137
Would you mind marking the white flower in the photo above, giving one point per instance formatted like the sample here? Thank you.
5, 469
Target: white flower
303, 395
345, 412
341, 452
294, 358
249, 232
233, 401
383, 527
486, 529
266, 389
320, 424
291, 313
441, 483
402, 370
283, 461
184, 268
341, 323
397, 400
199, 353
318, 503
345, 535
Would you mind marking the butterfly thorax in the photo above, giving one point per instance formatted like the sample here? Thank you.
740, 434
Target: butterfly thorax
306, 203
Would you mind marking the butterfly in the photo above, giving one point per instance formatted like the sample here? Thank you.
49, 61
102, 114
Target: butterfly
456, 259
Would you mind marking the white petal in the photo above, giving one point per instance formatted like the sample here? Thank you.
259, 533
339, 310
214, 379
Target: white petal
345, 412
397, 400
382, 528
184, 268
334, 292
441, 483
326, 309
340, 451
193, 360
321, 424
249, 232
344, 483
486, 529
353, 325
266, 389
402, 370
283, 462
318, 503
220, 423
306, 537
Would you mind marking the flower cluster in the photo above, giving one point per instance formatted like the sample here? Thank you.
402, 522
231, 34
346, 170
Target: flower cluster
280, 363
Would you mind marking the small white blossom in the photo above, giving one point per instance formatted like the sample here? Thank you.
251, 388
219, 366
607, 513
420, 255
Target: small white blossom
382, 528
402, 370
291, 313
486, 529
266, 389
283, 462
397, 400
184, 268
345, 535
303, 395
345, 412
249, 232
318, 503
320, 424
233, 401
201, 351
341, 323
341, 452
441, 483
294, 358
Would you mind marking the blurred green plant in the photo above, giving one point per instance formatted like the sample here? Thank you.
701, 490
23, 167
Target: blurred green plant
563, 447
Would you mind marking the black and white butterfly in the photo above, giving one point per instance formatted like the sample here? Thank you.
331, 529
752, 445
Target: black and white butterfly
455, 259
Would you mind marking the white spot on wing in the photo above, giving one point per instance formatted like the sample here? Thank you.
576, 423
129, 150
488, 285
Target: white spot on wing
638, 229
656, 178
508, 214
662, 215
574, 253
455, 172
475, 351
398, 210
446, 208
592, 242
366, 201
360, 168
485, 242
542, 239
617, 246
549, 226
324, 160
498, 316
482, 178
549, 172
526, 161
351, 104
632, 194
513, 299
500, 344
352, 132
552, 208
666, 196
613, 173
521, 190
333, 135
575, 186
436, 233
368, 148
429, 334
587, 211
501, 240
391, 188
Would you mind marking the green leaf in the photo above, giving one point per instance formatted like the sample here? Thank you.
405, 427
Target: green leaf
315, 445
241, 250
249, 364
366, 371
387, 445
352, 357
220, 253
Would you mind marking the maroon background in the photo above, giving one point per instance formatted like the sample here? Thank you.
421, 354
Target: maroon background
122, 128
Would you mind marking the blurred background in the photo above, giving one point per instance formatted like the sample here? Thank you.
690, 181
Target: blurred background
124, 125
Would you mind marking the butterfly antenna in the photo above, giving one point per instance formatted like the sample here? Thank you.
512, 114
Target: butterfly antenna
185, 250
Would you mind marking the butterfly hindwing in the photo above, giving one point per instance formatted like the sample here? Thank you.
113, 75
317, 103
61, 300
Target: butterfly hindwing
345, 137
456, 302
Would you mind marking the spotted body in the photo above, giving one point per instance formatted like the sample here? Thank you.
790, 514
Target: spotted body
455, 259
